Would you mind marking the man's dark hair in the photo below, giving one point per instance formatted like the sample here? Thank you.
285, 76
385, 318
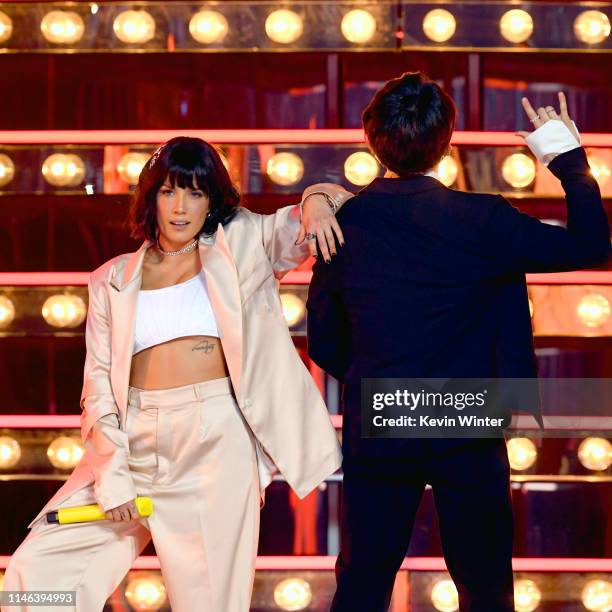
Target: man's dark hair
409, 123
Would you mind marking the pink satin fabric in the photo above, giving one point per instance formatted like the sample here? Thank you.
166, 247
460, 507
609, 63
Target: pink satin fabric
192, 453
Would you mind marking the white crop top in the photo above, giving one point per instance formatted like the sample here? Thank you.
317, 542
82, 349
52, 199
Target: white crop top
179, 310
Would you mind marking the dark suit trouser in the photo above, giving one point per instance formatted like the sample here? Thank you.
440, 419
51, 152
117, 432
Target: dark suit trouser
471, 488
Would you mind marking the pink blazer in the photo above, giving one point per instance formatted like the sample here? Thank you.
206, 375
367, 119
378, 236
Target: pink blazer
275, 392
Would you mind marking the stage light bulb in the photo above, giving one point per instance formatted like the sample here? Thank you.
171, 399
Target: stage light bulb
10, 452
522, 453
62, 27
134, 26
595, 454
64, 310
294, 308
208, 27
361, 168
596, 595
444, 596
130, 166
6, 27
527, 595
7, 311
63, 170
65, 452
293, 594
516, 25
7, 169
518, 170
593, 310
284, 26
146, 593
358, 26
592, 27
439, 25
599, 169
285, 168
448, 170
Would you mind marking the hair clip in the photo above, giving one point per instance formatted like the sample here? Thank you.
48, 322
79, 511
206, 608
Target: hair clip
155, 155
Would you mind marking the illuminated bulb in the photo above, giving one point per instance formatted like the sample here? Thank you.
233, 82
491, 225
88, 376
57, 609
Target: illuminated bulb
597, 595
595, 454
94, 8
146, 593
439, 25
592, 27
6, 27
7, 311
208, 27
522, 453
63, 170
285, 168
10, 452
284, 26
65, 452
358, 26
527, 595
516, 26
7, 169
62, 27
593, 310
518, 170
444, 596
599, 169
448, 170
134, 27
293, 594
64, 310
293, 308
130, 166
361, 168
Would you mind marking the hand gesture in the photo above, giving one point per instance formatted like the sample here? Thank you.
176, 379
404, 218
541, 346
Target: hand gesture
319, 225
548, 113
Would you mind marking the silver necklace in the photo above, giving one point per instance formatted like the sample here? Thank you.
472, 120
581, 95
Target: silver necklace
185, 249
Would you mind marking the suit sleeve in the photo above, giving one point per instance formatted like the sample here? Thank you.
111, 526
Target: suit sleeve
106, 445
328, 331
526, 244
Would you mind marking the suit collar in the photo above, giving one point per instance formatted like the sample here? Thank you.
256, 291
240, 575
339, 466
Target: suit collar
132, 268
403, 186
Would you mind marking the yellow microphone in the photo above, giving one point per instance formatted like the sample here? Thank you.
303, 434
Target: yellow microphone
93, 512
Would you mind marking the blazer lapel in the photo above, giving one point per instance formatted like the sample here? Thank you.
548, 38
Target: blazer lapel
123, 301
224, 292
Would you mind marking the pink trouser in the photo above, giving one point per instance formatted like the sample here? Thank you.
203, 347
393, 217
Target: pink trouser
193, 454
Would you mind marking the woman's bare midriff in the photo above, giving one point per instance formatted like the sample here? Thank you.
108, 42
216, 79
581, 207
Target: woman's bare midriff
178, 362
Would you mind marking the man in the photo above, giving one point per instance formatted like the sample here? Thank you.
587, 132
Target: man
431, 283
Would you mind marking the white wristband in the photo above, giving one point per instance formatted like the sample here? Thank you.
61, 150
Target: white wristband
553, 136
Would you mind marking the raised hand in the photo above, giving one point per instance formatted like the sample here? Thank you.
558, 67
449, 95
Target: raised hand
548, 113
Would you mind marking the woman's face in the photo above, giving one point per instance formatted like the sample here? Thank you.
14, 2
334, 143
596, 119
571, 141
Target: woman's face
180, 212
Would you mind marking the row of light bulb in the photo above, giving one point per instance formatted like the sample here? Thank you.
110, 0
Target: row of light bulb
66, 451
286, 26
596, 595
67, 310
593, 453
146, 591
360, 168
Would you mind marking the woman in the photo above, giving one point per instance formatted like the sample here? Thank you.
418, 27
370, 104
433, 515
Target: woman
193, 392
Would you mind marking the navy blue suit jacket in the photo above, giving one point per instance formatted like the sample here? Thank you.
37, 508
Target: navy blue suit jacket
431, 280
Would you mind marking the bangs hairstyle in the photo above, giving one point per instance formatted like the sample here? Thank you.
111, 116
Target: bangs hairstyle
409, 123
184, 161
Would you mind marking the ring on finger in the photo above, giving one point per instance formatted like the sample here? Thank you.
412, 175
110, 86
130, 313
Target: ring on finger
311, 236
535, 119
